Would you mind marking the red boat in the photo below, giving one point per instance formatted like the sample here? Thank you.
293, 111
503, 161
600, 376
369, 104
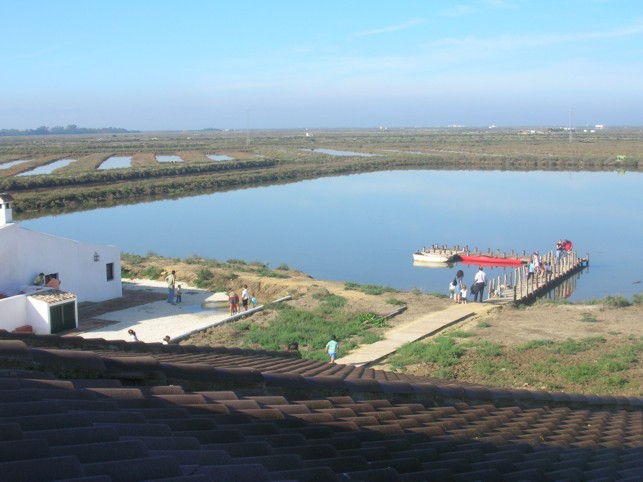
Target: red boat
489, 260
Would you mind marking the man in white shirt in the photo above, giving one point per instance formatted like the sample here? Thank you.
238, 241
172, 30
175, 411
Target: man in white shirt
480, 280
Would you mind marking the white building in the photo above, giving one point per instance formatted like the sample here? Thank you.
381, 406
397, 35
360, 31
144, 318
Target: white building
87, 272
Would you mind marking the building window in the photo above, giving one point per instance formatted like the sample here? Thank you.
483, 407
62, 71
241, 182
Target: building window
110, 271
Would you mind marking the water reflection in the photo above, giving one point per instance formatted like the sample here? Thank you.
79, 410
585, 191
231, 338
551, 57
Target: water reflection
433, 264
116, 162
49, 168
565, 289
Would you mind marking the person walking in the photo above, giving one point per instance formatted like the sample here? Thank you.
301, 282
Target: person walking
480, 281
331, 348
452, 290
171, 281
531, 268
560, 250
245, 297
463, 294
234, 303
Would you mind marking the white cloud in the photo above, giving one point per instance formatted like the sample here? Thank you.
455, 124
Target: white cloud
392, 28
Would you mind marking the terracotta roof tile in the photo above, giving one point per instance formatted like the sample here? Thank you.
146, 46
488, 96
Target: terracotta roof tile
257, 415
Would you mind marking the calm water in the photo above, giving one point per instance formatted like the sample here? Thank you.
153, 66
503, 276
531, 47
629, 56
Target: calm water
171, 159
116, 162
9, 164
49, 168
363, 228
333, 152
220, 157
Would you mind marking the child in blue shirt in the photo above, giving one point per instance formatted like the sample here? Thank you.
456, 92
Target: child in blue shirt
331, 348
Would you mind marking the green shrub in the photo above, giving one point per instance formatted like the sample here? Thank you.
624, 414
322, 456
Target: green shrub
588, 318
368, 289
487, 348
283, 267
443, 351
371, 319
330, 300
438, 295
396, 302
152, 272
268, 273
203, 278
637, 299
616, 301
571, 347
484, 324
444, 374
489, 368
234, 261
369, 338
546, 368
242, 325
615, 381
310, 329
460, 334
579, 374
133, 259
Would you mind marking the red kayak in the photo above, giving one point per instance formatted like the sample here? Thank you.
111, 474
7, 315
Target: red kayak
485, 260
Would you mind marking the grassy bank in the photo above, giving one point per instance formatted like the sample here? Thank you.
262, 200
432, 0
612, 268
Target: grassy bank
594, 347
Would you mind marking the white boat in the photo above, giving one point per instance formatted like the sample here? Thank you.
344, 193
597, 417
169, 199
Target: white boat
435, 255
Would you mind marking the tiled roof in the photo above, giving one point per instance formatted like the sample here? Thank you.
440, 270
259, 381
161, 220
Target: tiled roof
103, 410
52, 295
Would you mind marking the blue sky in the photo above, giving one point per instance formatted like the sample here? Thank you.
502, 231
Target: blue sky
188, 64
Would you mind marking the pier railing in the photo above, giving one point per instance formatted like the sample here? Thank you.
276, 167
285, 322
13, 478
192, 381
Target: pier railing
518, 286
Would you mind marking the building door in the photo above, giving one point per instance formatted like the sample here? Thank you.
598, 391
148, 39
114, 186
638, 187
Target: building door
62, 317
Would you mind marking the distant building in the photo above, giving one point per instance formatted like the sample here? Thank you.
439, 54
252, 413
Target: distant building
86, 272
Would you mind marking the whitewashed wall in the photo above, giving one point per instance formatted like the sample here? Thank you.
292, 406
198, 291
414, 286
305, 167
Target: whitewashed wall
25, 253
13, 312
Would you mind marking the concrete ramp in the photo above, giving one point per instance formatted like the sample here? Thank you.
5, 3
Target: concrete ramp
417, 329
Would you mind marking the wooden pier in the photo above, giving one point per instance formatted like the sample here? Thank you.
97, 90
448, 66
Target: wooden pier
518, 287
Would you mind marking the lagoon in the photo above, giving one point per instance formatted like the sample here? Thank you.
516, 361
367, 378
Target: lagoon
116, 162
364, 228
9, 164
220, 157
334, 152
170, 159
48, 168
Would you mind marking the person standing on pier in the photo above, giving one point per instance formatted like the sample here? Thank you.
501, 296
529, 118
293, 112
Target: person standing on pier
480, 281
560, 250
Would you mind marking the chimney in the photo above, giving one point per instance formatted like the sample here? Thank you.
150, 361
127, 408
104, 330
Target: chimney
6, 209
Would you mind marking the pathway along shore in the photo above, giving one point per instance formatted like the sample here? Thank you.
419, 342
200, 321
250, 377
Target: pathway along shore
415, 330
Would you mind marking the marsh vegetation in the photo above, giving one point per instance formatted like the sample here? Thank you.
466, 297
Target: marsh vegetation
272, 157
